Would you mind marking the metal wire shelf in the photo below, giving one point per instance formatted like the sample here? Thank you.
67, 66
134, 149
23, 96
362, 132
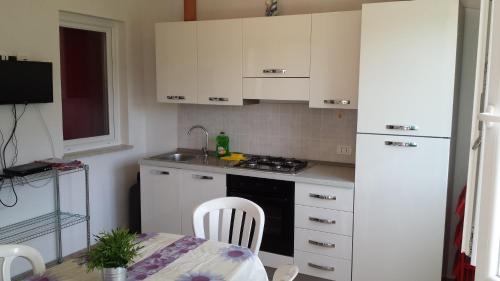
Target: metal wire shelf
8, 182
36, 227
52, 222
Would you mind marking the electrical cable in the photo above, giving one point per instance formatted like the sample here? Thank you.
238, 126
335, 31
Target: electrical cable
1, 155
13, 191
12, 138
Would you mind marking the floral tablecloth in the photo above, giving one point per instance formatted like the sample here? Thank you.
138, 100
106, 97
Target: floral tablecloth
169, 257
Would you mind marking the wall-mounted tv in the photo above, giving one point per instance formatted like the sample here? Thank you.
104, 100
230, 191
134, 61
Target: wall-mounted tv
23, 82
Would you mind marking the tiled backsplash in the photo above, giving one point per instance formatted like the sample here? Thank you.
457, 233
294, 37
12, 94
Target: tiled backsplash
290, 130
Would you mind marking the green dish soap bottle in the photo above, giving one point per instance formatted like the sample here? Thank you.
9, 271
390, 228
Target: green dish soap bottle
222, 148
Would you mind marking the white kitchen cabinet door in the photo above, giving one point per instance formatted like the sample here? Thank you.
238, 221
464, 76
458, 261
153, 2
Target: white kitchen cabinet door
399, 208
277, 46
198, 187
335, 43
220, 62
160, 210
290, 89
407, 67
176, 62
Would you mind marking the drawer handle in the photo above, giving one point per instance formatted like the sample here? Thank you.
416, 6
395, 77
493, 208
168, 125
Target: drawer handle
402, 127
322, 220
158, 172
217, 99
337, 102
274, 71
321, 196
200, 177
321, 267
401, 144
322, 244
176, 97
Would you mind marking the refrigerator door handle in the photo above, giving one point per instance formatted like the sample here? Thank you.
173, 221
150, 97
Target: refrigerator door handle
402, 127
401, 144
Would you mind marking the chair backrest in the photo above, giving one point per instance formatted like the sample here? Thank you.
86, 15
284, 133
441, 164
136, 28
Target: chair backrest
286, 273
232, 220
9, 252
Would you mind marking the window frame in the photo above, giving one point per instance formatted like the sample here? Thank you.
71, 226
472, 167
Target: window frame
110, 28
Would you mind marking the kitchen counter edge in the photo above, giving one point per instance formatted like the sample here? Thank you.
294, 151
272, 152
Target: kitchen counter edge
320, 174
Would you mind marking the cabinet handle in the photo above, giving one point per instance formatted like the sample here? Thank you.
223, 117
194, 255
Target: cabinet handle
401, 144
217, 99
402, 127
321, 267
337, 102
322, 244
274, 71
200, 177
176, 97
325, 197
322, 220
158, 172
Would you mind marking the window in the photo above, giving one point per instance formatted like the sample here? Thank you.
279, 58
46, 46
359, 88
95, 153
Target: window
88, 89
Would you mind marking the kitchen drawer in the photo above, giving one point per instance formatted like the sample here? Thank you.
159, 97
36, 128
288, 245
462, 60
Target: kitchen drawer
325, 220
323, 266
333, 245
324, 196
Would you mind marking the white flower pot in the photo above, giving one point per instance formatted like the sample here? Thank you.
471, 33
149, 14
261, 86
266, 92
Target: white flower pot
114, 274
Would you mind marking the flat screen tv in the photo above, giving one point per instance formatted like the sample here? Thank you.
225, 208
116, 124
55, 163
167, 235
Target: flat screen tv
23, 82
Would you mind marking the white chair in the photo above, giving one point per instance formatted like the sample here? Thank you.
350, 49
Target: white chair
286, 273
245, 212
9, 252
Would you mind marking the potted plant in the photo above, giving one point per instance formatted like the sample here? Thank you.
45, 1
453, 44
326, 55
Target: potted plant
112, 253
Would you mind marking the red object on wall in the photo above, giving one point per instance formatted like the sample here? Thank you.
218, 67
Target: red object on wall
462, 269
84, 85
189, 10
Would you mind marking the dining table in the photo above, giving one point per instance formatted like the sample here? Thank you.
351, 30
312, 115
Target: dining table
172, 257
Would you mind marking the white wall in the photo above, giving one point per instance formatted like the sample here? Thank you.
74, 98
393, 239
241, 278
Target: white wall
30, 27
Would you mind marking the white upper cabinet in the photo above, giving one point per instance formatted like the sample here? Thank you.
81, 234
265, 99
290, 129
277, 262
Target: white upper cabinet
407, 67
335, 43
277, 46
220, 62
176, 62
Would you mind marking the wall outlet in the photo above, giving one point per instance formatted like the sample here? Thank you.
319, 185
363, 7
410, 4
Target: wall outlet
344, 150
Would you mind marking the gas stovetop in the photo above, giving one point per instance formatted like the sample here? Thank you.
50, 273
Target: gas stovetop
273, 164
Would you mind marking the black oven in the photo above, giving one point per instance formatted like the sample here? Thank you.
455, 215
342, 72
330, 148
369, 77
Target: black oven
276, 198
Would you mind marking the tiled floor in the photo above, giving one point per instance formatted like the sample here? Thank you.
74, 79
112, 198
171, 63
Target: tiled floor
301, 277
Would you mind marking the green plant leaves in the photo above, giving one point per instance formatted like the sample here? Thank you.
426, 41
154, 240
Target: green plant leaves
113, 249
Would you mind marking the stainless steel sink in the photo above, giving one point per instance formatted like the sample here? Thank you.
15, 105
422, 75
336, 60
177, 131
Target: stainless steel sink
176, 157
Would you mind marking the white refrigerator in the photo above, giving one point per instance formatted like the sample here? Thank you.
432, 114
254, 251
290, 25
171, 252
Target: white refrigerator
406, 94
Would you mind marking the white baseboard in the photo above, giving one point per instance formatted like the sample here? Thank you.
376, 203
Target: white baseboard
274, 260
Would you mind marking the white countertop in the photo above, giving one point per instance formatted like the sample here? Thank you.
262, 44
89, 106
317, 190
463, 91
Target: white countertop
317, 173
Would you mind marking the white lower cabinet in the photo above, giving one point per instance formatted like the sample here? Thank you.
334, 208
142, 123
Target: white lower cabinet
323, 243
197, 188
323, 231
323, 266
325, 220
169, 196
160, 210
323, 216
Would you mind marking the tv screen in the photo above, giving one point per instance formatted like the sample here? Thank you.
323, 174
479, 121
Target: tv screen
23, 82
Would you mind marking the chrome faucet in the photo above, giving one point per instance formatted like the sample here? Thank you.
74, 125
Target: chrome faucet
204, 149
